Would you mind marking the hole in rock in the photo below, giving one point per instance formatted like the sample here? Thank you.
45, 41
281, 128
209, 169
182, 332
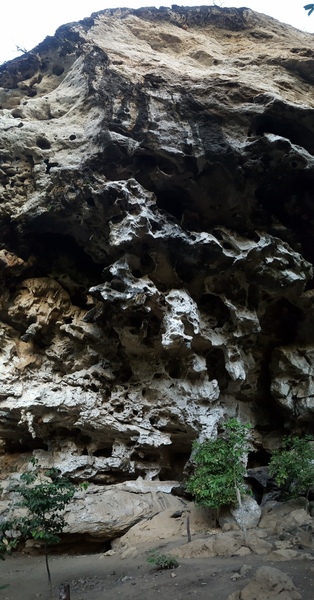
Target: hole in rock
72, 137
43, 143
146, 260
215, 363
291, 202
227, 246
146, 166
153, 328
185, 272
17, 113
215, 308
174, 471
74, 434
106, 452
58, 70
24, 445
155, 226
112, 477
76, 544
136, 321
125, 372
173, 201
280, 321
145, 457
258, 458
175, 368
256, 487
188, 327
257, 473
157, 375
118, 285
50, 165
61, 255
289, 127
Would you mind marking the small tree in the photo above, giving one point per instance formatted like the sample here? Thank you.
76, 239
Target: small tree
292, 465
219, 468
45, 499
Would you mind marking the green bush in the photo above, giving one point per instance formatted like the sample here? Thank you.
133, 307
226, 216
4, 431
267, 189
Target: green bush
162, 561
292, 465
220, 467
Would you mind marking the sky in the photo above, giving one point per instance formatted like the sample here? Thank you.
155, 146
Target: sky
25, 23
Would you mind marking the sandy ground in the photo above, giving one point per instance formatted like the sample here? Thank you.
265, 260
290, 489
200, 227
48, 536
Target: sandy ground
99, 577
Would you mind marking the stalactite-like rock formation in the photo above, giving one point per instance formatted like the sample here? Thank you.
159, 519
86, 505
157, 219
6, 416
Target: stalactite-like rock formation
157, 216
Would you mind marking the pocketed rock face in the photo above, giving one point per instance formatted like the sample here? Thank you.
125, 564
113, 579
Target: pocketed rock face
156, 218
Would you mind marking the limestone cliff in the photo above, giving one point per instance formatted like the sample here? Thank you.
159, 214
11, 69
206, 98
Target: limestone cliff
157, 217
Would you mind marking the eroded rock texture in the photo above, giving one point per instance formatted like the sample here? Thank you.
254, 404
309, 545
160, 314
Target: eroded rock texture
156, 217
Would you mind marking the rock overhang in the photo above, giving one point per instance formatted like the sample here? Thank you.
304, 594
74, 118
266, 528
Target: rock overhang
156, 269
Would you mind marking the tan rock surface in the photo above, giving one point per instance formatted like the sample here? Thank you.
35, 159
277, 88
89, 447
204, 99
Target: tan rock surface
166, 524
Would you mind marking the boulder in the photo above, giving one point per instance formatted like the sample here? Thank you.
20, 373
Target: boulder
268, 584
226, 544
283, 555
203, 548
298, 528
275, 514
246, 517
108, 512
257, 544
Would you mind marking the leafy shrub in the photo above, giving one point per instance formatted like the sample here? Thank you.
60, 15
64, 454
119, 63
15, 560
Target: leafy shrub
292, 465
162, 561
219, 467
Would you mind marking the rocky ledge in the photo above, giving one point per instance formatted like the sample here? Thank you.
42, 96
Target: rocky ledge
156, 218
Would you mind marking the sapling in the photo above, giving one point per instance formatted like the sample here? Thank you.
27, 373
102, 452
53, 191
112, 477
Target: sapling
45, 499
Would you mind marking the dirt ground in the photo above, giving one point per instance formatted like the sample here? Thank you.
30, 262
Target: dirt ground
99, 577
